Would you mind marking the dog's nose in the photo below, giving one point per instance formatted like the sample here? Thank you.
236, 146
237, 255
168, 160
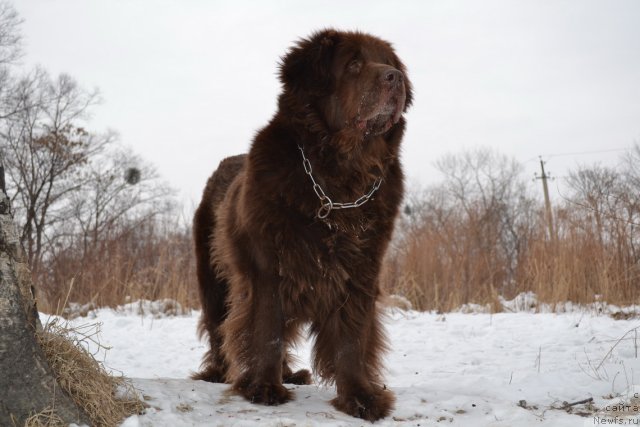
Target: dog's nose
391, 76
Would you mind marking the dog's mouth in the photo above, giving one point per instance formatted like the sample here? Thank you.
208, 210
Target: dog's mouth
377, 124
384, 115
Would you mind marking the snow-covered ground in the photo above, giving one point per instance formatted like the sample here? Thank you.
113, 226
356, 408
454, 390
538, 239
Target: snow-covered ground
506, 369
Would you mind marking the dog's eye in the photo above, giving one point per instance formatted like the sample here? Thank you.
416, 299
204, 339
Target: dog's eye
354, 66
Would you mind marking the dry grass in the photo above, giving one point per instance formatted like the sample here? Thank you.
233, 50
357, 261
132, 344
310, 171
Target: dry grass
441, 266
579, 268
46, 418
106, 399
437, 273
142, 264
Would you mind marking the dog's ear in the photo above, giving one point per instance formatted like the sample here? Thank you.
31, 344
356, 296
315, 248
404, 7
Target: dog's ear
306, 68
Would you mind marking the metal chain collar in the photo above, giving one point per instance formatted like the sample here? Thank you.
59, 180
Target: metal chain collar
326, 204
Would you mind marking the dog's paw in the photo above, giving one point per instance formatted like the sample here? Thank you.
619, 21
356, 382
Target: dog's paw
370, 406
210, 374
300, 377
265, 393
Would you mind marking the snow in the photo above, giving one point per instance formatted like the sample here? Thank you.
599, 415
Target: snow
458, 369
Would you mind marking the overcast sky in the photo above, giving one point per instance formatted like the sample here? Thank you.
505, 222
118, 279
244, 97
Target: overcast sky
188, 82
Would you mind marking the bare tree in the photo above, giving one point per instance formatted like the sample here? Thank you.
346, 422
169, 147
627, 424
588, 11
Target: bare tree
595, 194
488, 188
605, 202
45, 148
120, 192
466, 235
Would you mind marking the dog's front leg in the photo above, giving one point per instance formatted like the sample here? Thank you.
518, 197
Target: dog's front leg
254, 342
348, 348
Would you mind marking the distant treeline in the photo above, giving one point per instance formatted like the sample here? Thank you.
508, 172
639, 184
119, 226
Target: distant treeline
482, 232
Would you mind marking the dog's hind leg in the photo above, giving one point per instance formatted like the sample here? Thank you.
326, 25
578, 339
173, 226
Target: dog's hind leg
212, 287
213, 296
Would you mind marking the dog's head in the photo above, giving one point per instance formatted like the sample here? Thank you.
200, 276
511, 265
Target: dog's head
354, 80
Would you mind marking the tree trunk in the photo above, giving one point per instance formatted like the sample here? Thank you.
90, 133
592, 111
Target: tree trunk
27, 384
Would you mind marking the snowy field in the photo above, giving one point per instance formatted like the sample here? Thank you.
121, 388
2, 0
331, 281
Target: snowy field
507, 369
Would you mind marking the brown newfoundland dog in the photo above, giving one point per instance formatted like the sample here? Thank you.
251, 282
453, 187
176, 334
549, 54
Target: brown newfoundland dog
294, 231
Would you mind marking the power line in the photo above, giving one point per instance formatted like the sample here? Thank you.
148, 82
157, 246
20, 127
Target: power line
579, 153
576, 153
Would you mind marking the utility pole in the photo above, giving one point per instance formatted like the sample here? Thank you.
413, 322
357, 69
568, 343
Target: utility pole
547, 201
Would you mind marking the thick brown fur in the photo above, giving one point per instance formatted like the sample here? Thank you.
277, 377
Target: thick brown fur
267, 264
